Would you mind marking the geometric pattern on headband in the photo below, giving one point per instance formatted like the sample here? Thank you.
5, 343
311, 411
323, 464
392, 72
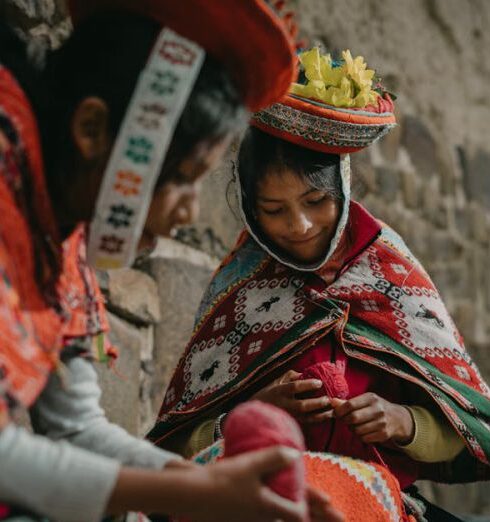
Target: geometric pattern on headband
139, 151
319, 129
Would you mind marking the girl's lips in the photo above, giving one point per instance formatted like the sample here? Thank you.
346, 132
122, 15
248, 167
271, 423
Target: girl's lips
306, 240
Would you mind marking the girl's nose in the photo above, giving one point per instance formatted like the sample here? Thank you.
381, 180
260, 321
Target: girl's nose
299, 224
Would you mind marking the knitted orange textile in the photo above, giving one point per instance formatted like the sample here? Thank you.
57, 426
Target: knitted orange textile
360, 490
248, 37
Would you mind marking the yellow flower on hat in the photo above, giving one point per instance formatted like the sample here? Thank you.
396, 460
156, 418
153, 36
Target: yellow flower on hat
311, 61
344, 84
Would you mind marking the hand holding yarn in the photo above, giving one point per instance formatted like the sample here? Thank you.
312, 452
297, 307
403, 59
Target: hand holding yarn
375, 419
297, 395
255, 425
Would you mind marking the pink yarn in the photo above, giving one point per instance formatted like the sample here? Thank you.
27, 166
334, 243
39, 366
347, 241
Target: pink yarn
332, 376
255, 425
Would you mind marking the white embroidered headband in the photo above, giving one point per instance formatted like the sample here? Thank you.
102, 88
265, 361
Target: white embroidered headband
161, 94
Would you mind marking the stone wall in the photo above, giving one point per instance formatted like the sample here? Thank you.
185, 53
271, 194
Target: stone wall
429, 179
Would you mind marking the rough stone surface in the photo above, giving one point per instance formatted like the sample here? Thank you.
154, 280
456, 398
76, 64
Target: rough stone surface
132, 295
411, 189
421, 146
182, 274
121, 384
219, 223
477, 177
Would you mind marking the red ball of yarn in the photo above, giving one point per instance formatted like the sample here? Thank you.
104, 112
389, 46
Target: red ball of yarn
332, 376
256, 425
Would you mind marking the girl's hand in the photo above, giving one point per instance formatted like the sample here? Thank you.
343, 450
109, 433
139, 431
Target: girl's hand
234, 489
319, 507
375, 419
294, 395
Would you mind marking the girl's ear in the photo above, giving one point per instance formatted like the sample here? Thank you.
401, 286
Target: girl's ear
90, 129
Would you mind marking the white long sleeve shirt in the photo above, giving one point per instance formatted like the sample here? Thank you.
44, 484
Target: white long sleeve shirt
68, 470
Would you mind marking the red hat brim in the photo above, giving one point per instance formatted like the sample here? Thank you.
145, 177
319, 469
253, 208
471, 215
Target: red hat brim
246, 36
324, 128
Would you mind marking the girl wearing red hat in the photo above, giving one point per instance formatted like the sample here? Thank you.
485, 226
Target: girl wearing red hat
322, 310
114, 131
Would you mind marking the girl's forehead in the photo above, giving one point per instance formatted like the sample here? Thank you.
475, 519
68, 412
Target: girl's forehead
282, 184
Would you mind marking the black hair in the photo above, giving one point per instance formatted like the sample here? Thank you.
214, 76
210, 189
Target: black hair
259, 152
103, 58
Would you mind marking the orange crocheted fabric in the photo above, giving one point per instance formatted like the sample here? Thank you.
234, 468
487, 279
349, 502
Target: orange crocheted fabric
360, 490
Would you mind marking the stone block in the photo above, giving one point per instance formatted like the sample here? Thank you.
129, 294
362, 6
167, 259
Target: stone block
363, 175
389, 145
121, 384
132, 294
452, 279
375, 205
182, 274
421, 146
410, 189
445, 246
465, 317
419, 239
388, 182
433, 205
147, 374
219, 221
476, 175
478, 222
447, 169
462, 222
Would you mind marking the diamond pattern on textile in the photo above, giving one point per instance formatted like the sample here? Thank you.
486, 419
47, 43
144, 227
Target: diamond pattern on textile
254, 347
399, 269
370, 304
170, 396
219, 322
463, 372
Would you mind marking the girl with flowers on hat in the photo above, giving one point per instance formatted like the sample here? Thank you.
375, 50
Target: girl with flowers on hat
116, 129
322, 310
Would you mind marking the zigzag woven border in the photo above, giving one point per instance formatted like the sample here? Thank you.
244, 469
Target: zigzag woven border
321, 130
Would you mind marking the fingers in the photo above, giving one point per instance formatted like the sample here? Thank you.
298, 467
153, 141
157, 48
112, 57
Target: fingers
306, 406
290, 376
280, 508
345, 408
372, 432
320, 509
270, 460
293, 388
363, 416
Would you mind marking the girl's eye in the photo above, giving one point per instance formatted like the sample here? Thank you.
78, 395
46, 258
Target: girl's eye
316, 201
272, 212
